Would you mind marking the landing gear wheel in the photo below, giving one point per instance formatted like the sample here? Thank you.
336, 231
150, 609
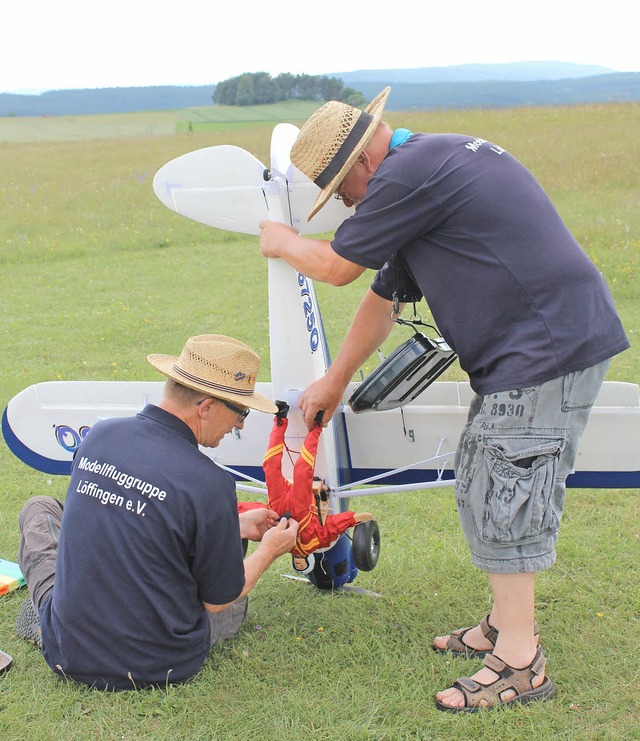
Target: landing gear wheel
366, 545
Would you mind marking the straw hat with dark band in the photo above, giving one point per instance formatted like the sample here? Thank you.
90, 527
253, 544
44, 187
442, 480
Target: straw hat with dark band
218, 366
330, 142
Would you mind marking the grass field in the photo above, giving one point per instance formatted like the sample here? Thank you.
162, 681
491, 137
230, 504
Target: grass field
150, 123
96, 273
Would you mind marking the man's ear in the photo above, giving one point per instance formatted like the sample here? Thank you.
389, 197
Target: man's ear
205, 407
366, 160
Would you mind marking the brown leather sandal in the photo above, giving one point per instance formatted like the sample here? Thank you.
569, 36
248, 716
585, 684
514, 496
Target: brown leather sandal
478, 695
457, 647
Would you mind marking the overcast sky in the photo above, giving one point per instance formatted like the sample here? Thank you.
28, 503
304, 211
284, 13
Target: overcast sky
49, 45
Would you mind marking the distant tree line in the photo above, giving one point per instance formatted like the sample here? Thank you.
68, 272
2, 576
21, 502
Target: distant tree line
609, 88
256, 88
105, 100
620, 87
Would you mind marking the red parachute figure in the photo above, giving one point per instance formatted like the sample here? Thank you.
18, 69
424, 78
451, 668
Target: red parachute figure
301, 500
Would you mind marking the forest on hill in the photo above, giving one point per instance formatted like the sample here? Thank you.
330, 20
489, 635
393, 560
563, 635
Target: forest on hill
466, 86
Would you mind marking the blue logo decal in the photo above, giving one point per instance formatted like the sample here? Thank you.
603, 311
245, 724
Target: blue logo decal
307, 304
68, 438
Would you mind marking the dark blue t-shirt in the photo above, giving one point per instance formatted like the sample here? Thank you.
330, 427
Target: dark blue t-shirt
149, 532
461, 222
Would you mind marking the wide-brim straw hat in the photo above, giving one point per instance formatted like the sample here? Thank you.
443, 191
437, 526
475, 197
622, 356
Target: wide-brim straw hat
218, 366
330, 142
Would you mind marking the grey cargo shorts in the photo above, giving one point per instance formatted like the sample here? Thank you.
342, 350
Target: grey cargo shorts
514, 456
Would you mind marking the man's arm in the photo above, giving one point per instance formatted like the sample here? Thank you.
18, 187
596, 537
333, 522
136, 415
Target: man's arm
314, 258
275, 543
370, 327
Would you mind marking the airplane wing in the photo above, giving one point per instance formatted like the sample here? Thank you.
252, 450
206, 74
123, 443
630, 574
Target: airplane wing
227, 188
405, 447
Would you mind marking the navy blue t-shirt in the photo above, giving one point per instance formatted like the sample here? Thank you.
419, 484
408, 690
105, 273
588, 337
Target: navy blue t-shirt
461, 222
149, 532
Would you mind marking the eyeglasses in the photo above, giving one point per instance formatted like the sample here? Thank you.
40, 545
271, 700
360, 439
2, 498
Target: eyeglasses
242, 413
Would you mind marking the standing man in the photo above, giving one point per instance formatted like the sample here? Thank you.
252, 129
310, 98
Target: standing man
460, 221
144, 571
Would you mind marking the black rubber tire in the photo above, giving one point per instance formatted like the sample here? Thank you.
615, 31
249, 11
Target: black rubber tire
366, 545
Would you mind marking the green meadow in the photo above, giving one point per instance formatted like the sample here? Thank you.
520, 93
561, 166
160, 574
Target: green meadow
95, 274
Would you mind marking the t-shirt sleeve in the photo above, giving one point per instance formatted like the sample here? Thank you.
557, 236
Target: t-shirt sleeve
217, 561
369, 237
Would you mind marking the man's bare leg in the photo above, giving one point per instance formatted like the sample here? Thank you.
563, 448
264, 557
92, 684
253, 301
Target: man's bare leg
513, 617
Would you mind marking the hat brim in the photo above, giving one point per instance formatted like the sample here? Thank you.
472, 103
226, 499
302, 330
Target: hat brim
375, 109
165, 364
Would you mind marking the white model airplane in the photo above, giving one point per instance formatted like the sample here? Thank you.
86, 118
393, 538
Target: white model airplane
409, 442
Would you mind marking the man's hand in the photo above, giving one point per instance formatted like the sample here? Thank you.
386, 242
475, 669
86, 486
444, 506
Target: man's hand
272, 237
255, 522
323, 395
276, 541
314, 258
281, 538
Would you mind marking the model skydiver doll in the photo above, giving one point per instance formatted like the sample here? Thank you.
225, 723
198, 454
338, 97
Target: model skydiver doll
306, 499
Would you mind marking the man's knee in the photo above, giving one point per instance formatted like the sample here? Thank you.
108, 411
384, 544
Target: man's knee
40, 504
225, 624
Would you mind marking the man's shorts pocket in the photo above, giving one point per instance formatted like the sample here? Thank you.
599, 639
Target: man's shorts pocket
580, 389
518, 476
